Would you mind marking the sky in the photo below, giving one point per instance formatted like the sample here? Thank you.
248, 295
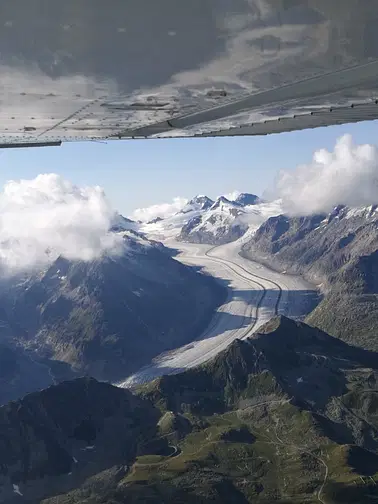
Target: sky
141, 173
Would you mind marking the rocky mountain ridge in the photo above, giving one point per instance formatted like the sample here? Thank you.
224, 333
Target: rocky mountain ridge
338, 252
105, 317
203, 220
223, 222
53, 440
289, 415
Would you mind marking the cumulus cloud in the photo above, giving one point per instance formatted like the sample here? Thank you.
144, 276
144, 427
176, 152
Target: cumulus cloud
346, 176
162, 210
48, 216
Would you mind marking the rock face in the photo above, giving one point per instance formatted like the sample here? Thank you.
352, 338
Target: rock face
51, 441
339, 251
111, 316
321, 246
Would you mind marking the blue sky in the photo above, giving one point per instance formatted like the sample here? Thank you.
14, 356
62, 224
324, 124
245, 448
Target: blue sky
142, 173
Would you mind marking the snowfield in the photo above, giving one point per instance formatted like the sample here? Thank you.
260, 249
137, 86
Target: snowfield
255, 294
212, 218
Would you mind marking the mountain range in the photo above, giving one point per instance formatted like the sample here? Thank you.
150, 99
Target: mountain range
203, 220
288, 415
106, 317
337, 251
110, 316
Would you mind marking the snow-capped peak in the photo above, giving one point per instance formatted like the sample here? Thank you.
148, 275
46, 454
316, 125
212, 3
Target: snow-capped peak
246, 199
202, 220
222, 203
199, 202
120, 223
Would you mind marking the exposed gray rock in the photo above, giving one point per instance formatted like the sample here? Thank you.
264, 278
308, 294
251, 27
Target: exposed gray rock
111, 316
51, 441
337, 251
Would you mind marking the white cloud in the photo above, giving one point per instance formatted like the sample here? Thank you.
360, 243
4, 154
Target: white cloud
232, 195
49, 216
346, 176
162, 210
255, 215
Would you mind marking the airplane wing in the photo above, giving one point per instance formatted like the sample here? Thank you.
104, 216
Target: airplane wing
92, 69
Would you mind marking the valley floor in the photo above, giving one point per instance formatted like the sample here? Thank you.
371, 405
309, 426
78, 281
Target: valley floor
255, 294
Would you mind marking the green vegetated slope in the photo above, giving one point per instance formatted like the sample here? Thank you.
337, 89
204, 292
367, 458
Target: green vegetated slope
289, 416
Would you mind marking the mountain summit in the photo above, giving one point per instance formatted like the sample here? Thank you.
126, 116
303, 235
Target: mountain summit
224, 204
246, 199
199, 202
